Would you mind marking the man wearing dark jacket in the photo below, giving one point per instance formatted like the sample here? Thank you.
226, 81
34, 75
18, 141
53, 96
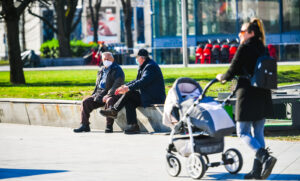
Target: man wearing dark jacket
110, 77
147, 89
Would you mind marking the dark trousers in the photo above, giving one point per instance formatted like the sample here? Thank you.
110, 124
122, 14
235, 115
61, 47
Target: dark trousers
88, 105
131, 100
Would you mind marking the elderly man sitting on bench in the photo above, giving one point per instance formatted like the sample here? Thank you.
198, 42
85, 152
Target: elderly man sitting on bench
148, 88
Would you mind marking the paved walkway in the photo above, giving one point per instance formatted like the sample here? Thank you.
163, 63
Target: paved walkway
51, 153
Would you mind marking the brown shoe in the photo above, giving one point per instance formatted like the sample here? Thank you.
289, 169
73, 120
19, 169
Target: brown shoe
111, 113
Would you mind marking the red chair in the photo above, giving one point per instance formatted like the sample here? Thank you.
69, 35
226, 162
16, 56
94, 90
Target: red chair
232, 51
199, 54
272, 51
206, 58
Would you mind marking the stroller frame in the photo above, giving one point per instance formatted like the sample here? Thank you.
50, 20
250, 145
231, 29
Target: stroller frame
173, 164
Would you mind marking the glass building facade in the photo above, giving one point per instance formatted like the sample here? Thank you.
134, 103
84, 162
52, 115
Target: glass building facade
221, 20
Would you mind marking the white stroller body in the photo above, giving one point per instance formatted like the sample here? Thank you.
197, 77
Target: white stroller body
199, 125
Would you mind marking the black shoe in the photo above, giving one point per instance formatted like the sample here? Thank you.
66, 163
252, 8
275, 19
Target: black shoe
111, 113
267, 161
268, 167
132, 129
255, 173
82, 128
109, 129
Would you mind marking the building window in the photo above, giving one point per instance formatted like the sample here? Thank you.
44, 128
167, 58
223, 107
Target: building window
191, 17
167, 21
291, 15
48, 32
140, 25
170, 18
216, 17
266, 10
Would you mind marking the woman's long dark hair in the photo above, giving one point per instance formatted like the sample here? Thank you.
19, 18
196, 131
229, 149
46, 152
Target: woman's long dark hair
257, 27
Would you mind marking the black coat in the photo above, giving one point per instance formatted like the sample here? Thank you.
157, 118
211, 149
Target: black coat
252, 103
115, 78
149, 83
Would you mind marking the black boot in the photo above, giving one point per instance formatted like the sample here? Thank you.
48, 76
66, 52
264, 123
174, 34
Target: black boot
83, 128
111, 113
132, 129
109, 129
267, 161
256, 171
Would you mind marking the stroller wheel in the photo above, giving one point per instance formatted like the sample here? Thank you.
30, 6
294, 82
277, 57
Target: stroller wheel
196, 166
234, 156
173, 165
206, 159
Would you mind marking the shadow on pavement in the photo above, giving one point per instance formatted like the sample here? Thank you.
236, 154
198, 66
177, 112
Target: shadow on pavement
13, 173
227, 176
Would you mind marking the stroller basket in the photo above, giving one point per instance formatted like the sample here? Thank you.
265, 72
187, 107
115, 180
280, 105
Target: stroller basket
203, 144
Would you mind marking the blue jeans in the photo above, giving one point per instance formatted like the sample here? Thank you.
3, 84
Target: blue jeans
254, 140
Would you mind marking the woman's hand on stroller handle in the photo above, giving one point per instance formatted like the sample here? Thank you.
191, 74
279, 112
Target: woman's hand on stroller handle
219, 78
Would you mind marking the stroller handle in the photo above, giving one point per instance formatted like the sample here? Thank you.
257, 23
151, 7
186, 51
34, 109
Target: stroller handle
210, 84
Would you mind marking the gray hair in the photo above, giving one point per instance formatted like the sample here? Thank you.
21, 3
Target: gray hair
107, 53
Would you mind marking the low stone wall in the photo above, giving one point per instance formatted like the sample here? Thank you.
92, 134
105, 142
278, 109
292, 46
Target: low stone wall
63, 113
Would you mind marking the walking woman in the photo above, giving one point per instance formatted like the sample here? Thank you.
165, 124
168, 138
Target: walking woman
253, 104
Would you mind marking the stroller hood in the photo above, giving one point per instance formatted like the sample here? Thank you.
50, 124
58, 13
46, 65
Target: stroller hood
183, 88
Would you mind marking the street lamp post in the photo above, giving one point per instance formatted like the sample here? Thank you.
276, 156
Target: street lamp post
184, 33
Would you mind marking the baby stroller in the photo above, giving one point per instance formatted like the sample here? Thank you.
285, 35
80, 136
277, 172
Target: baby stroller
199, 125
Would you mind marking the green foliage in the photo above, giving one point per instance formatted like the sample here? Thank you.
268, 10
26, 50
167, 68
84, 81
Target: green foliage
4, 62
50, 49
79, 48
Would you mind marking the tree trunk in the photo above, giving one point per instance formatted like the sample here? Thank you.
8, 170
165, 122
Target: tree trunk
64, 44
63, 35
95, 27
14, 53
95, 17
128, 20
23, 33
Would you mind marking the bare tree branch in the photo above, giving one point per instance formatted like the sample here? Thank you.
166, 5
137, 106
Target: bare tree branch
22, 6
123, 3
92, 11
45, 3
44, 20
97, 7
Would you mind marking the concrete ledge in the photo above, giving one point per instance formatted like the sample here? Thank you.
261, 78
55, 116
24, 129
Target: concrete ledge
65, 113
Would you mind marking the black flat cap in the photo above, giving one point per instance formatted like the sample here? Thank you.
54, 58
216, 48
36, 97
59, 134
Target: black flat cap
143, 52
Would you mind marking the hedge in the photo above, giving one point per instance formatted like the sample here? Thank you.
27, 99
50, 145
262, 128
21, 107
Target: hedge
50, 49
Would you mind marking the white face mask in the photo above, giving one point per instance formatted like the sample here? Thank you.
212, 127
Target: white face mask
137, 62
107, 63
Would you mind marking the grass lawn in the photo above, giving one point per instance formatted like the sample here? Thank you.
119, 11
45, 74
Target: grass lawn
284, 135
76, 84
